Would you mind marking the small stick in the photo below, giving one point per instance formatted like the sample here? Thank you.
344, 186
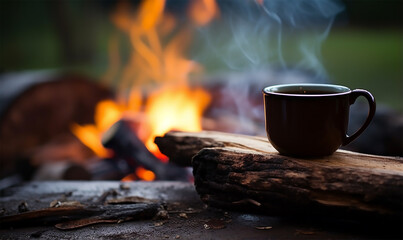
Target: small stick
46, 215
114, 215
93, 214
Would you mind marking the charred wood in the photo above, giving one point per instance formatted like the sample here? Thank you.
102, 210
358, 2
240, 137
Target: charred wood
125, 144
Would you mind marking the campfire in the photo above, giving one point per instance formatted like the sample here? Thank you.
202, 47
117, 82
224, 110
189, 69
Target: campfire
154, 91
158, 96
158, 84
183, 145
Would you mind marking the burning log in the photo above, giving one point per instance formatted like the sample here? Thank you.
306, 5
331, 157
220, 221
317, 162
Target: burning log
246, 173
127, 145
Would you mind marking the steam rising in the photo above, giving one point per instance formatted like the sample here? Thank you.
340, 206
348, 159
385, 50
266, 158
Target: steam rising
253, 35
265, 43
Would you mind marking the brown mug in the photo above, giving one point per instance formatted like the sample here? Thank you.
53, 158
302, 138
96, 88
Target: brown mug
310, 120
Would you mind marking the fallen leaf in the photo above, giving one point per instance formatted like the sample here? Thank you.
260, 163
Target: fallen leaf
183, 215
57, 203
248, 200
264, 228
82, 223
162, 214
159, 224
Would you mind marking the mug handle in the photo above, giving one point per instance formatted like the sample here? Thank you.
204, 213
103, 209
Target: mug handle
372, 107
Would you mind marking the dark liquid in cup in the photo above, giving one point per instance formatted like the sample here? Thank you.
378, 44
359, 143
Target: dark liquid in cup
308, 92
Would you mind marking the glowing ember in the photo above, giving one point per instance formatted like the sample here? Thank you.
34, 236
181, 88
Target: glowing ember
139, 174
129, 178
145, 174
158, 59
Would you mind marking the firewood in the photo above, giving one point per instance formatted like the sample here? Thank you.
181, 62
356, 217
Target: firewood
180, 147
111, 214
70, 217
246, 173
125, 143
41, 216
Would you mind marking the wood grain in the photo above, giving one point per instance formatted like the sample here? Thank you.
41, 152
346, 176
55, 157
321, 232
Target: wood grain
247, 173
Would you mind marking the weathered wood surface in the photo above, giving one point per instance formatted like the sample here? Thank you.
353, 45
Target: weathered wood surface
180, 147
188, 218
245, 172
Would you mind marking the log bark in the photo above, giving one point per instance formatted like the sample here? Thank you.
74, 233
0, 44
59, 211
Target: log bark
180, 147
246, 173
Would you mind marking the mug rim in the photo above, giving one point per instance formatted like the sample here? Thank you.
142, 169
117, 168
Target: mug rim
339, 89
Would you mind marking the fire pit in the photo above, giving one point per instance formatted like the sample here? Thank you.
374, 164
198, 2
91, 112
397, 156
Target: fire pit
139, 127
58, 120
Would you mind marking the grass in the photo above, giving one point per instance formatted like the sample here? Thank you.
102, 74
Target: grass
367, 59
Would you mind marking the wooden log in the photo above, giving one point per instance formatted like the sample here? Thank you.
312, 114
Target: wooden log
247, 173
40, 108
121, 138
180, 147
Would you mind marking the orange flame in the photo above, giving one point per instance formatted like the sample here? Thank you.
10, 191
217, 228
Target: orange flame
90, 136
158, 59
107, 112
177, 108
150, 13
140, 173
129, 178
203, 11
145, 174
